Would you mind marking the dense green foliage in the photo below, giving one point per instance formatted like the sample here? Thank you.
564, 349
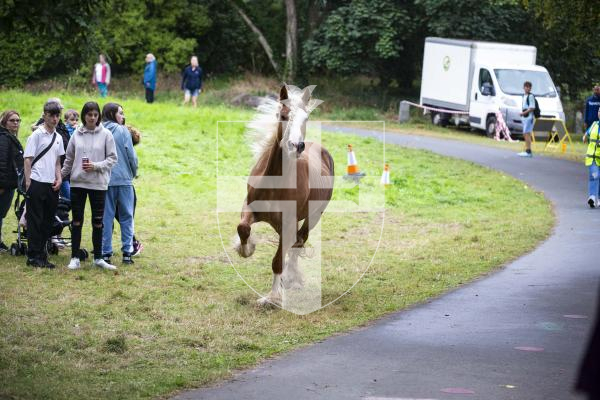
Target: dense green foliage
382, 39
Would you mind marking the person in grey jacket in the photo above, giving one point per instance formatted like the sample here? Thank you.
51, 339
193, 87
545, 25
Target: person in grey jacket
120, 194
91, 155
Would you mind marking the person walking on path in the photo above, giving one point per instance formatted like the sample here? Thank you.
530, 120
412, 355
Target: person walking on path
592, 106
592, 161
101, 75
42, 181
120, 194
90, 157
11, 161
150, 77
527, 118
191, 82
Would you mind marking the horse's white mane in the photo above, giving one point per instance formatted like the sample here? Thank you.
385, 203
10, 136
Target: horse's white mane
261, 132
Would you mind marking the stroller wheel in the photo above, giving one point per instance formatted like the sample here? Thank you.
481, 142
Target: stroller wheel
51, 248
83, 254
23, 249
14, 250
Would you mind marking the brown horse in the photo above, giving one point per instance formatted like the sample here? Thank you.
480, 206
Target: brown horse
292, 181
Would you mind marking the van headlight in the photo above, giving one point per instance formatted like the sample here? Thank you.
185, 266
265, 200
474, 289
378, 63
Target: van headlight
509, 102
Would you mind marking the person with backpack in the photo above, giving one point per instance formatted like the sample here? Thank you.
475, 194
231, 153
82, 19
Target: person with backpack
11, 162
42, 181
530, 110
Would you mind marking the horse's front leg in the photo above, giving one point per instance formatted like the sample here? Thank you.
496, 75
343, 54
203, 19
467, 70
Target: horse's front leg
244, 245
276, 294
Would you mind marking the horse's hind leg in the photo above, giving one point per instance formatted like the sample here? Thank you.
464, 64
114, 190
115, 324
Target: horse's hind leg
292, 276
309, 223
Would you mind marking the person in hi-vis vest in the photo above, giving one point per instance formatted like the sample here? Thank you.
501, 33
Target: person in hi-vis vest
592, 161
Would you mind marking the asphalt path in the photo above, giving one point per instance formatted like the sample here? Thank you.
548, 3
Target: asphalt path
516, 334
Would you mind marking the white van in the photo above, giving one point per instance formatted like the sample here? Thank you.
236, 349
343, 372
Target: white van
475, 79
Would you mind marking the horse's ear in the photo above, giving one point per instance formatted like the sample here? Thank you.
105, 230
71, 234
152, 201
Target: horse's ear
283, 93
306, 94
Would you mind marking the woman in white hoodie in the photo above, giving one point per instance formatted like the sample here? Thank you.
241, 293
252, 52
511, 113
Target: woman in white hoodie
91, 154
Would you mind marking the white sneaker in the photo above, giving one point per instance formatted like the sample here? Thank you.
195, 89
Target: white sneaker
592, 201
74, 263
103, 264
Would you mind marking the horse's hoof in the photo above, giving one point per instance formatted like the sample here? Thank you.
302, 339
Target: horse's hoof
268, 302
296, 285
293, 284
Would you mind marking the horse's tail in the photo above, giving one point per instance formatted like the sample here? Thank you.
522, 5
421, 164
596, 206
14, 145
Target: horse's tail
244, 242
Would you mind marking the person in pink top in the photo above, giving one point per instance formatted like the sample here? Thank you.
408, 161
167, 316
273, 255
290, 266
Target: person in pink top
101, 75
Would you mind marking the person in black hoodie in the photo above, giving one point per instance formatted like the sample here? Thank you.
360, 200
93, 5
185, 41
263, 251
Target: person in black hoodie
191, 82
11, 160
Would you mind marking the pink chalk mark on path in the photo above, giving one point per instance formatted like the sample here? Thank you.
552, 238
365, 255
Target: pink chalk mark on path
457, 390
575, 316
529, 348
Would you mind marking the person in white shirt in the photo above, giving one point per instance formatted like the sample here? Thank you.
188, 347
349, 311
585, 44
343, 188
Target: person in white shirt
42, 180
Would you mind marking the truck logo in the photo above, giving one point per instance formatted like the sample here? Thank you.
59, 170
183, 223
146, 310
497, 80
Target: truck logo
446, 63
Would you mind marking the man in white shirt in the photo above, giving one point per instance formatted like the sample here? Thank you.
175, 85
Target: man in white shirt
42, 180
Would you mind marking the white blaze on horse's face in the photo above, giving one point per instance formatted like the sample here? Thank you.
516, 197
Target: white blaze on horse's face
294, 131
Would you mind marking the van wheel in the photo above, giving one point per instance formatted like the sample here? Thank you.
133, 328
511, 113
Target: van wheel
490, 126
440, 119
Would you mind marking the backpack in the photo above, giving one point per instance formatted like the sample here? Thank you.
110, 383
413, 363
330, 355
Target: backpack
536, 110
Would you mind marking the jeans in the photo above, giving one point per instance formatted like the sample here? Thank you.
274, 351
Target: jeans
121, 197
5, 201
97, 199
103, 88
65, 190
594, 180
41, 202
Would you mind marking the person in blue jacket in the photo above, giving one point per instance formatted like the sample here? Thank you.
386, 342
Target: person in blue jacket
150, 77
120, 194
191, 81
592, 105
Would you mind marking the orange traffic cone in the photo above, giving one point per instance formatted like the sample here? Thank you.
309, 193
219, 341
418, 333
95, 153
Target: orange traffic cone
353, 172
385, 177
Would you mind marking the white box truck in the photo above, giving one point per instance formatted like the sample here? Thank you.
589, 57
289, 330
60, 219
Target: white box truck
476, 79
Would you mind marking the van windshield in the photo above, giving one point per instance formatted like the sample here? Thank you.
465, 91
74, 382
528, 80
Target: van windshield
511, 82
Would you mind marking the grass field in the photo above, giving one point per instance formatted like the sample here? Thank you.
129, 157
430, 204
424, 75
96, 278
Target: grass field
181, 317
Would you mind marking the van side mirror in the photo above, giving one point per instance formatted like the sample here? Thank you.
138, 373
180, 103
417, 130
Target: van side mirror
487, 89
558, 90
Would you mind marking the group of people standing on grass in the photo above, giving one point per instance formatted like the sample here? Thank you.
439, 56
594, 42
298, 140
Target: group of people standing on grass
93, 160
191, 78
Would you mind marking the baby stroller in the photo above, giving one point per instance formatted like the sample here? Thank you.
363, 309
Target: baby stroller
61, 221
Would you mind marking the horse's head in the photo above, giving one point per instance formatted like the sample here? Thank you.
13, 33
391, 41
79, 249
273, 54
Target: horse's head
296, 105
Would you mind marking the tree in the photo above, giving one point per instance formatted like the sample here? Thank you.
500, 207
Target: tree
362, 37
565, 40
291, 41
33, 32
